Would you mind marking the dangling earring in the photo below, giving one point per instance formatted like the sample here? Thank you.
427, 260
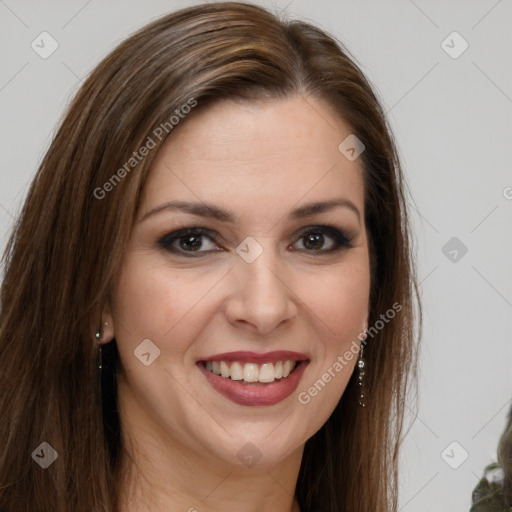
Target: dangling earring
361, 364
100, 361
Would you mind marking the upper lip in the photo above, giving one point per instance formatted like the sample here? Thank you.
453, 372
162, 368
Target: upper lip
247, 356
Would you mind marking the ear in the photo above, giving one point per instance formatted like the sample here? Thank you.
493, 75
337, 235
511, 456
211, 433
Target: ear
107, 326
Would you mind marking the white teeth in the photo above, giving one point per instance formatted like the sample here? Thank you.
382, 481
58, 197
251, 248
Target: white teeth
279, 370
236, 371
252, 372
224, 369
216, 367
267, 373
287, 368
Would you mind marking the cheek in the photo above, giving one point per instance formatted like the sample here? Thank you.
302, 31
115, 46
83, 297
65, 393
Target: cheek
338, 297
339, 302
157, 302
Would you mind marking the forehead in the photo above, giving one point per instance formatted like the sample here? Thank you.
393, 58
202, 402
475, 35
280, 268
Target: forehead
282, 150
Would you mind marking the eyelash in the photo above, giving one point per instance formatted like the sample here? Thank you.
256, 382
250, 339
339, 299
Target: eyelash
341, 239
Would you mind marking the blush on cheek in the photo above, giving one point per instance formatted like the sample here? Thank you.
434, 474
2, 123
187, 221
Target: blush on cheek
340, 311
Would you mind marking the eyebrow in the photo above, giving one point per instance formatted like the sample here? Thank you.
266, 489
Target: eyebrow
209, 210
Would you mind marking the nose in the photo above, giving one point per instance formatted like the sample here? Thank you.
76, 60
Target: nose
261, 296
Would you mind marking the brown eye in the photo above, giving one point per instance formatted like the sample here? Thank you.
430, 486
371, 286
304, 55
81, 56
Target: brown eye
187, 240
315, 238
190, 242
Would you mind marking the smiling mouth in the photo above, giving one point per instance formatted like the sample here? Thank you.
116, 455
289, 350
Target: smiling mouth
252, 373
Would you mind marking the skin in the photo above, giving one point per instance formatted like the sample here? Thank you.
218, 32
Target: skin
260, 160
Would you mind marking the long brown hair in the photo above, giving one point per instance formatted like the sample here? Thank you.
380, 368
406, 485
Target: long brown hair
62, 259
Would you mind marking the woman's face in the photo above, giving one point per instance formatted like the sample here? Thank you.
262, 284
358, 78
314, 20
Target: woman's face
262, 289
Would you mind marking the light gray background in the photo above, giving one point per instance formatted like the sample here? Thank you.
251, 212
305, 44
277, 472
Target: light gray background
452, 119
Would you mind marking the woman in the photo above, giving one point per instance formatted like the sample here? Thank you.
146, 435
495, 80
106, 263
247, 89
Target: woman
215, 249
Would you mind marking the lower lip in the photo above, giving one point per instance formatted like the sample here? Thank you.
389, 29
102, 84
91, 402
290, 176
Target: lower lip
252, 394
